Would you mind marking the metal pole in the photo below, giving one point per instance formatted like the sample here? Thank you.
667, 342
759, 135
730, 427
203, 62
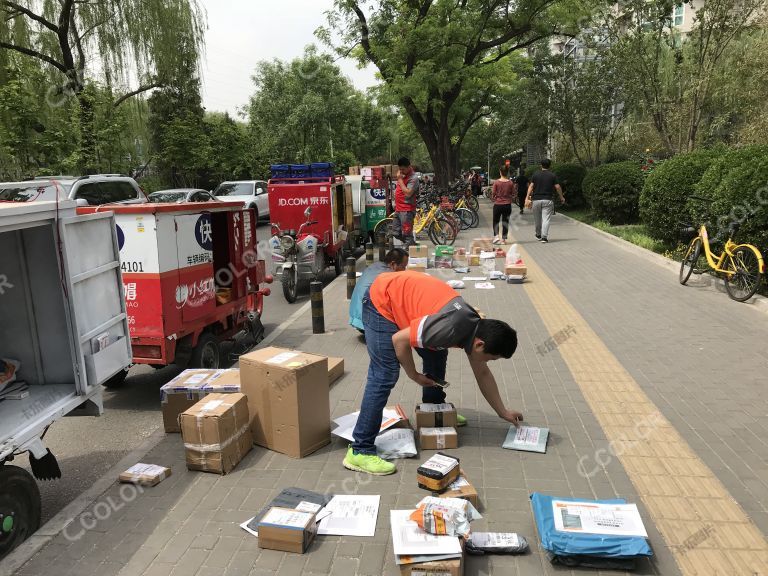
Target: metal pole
351, 277
381, 240
369, 253
318, 313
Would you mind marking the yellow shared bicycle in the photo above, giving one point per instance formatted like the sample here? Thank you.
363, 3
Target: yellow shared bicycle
741, 265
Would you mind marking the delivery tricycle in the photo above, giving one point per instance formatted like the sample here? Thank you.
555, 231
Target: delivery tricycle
192, 279
313, 228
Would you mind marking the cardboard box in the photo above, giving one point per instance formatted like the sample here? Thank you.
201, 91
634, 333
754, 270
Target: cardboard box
436, 415
462, 488
435, 568
419, 251
191, 386
437, 473
516, 270
474, 260
335, 369
484, 244
288, 399
444, 251
216, 433
438, 438
287, 530
145, 474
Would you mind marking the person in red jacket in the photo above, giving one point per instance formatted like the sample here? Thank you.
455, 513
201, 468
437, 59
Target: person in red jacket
410, 310
504, 194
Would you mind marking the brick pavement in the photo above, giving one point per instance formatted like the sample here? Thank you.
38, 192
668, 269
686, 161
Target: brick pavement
702, 372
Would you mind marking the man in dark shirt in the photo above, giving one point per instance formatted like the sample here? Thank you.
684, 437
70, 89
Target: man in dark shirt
522, 188
412, 310
541, 192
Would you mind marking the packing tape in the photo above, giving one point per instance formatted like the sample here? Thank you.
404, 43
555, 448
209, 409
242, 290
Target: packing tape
440, 440
216, 447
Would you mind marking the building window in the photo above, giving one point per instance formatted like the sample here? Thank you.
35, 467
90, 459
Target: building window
678, 15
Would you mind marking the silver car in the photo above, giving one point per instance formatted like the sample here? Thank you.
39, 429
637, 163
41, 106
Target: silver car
85, 190
182, 195
252, 193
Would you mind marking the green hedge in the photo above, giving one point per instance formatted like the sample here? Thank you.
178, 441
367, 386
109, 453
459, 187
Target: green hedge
666, 191
613, 191
737, 183
571, 177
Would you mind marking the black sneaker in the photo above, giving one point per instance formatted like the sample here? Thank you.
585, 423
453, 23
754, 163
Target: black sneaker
544, 240
538, 236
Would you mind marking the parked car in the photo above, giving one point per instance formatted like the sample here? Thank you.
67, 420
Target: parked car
182, 195
85, 190
252, 193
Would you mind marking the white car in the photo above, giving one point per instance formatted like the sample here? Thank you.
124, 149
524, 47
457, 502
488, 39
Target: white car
93, 190
252, 193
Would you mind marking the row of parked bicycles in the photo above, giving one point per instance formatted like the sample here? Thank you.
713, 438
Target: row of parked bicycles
441, 213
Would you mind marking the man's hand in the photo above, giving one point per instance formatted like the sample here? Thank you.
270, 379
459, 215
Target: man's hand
511, 416
422, 380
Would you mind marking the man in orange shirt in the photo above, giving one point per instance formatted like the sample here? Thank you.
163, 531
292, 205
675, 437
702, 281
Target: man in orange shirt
411, 310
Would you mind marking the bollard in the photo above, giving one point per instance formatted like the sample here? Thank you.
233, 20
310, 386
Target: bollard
351, 277
318, 313
369, 253
380, 240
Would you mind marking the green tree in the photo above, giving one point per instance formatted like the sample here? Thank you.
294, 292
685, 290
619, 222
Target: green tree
72, 37
228, 140
442, 60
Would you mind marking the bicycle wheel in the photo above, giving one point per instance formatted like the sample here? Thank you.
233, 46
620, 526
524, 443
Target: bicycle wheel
442, 233
689, 260
475, 219
385, 226
472, 203
466, 218
452, 217
745, 280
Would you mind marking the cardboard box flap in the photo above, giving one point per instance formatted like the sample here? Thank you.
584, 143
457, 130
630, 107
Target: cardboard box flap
282, 359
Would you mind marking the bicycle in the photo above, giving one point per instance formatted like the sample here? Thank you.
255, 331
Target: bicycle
741, 264
439, 230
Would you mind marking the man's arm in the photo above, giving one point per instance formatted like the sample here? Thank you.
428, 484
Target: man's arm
407, 192
530, 192
402, 344
490, 390
560, 192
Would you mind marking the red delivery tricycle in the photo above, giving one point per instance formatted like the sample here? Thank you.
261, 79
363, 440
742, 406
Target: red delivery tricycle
313, 228
192, 279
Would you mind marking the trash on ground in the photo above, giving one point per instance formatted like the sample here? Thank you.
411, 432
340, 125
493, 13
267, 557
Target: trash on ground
351, 515
480, 543
445, 516
145, 474
437, 473
527, 439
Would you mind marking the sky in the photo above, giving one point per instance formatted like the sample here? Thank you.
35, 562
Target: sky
243, 32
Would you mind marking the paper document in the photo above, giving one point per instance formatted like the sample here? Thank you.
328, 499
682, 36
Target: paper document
593, 518
410, 540
527, 439
351, 515
475, 278
484, 286
346, 424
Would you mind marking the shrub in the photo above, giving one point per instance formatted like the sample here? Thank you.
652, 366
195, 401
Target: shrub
571, 177
613, 191
737, 183
666, 191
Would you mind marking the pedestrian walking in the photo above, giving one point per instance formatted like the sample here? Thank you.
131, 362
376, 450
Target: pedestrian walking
476, 182
396, 260
503, 194
522, 187
541, 196
411, 310
406, 195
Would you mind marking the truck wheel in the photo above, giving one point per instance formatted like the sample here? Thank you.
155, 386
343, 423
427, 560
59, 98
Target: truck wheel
206, 354
290, 286
117, 380
19, 507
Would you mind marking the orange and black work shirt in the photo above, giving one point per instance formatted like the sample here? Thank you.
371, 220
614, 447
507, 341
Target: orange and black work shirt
438, 317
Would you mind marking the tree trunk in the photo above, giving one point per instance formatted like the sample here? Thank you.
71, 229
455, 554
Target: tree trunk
88, 163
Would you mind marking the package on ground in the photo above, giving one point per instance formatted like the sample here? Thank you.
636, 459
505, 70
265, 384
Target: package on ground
391, 417
287, 530
460, 261
191, 386
438, 438
453, 567
435, 415
462, 488
396, 443
445, 516
473, 260
481, 543
437, 473
216, 433
288, 399
292, 498
444, 256
420, 553
481, 245
574, 532
516, 270
418, 263
145, 474
488, 261
335, 369
418, 251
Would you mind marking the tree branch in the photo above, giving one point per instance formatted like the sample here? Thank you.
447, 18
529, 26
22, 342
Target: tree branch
35, 54
36, 17
138, 91
365, 40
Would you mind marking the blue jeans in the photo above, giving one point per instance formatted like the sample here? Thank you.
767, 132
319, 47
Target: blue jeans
383, 372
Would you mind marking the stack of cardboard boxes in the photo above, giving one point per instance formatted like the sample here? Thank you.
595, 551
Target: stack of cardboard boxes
418, 258
436, 426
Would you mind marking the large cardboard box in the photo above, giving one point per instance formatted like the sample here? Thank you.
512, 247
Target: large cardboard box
191, 386
484, 244
287, 530
436, 415
335, 369
435, 568
216, 433
516, 270
438, 438
462, 488
288, 399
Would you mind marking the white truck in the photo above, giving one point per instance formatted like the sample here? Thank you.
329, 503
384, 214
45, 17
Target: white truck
63, 331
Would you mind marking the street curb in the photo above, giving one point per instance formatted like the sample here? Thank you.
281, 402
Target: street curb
32, 545
759, 302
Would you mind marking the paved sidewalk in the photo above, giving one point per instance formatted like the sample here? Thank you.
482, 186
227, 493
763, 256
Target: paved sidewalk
689, 353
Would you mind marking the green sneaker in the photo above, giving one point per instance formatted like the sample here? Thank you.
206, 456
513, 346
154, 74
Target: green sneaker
460, 421
368, 464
